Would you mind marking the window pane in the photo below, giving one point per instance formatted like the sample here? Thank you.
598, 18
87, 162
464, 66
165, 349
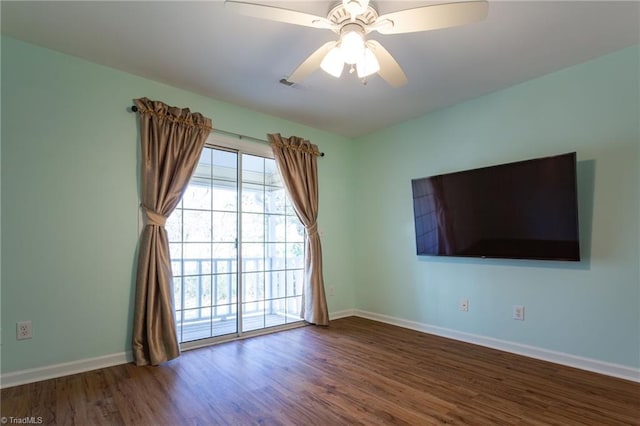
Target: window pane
196, 266
276, 228
225, 160
275, 285
295, 230
252, 168
293, 309
252, 251
205, 283
275, 311
272, 175
225, 320
224, 250
252, 198
197, 195
253, 264
252, 227
274, 200
224, 227
224, 287
203, 170
192, 291
196, 251
288, 209
205, 315
225, 185
224, 259
197, 226
294, 282
179, 325
223, 313
175, 251
196, 324
253, 286
252, 316
275, 256
225, 198
295, 255
174, 226
177, 293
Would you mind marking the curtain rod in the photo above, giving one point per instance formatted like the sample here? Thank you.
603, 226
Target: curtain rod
224, 132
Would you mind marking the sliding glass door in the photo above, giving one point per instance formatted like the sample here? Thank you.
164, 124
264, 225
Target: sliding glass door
236, 247
272, 248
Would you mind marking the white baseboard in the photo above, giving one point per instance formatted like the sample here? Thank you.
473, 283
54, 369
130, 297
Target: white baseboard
342, 314
65, 369
594, 365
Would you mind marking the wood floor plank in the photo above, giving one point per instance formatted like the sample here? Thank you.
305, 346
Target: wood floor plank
355, 372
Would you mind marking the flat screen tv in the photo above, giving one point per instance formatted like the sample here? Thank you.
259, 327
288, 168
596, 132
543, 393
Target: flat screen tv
522, 210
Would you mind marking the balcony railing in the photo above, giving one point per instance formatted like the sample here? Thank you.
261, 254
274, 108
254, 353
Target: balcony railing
206, 295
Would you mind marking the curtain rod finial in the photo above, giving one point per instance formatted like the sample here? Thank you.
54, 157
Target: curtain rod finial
134, 108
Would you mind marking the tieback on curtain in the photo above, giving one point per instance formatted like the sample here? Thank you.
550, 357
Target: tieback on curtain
153, 218
312, 229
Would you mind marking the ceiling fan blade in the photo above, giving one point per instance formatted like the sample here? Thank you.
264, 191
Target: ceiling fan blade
311, 63
432, 17
390, 71
278, 14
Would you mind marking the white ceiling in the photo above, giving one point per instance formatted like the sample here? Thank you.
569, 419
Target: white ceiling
204, 48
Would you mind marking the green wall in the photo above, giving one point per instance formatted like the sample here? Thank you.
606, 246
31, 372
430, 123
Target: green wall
589, 309
70, 208
70, 204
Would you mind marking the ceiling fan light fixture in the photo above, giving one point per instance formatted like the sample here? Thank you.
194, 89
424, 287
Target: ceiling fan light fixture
352, 46
355, 7
333, 63
353, 20
368, 64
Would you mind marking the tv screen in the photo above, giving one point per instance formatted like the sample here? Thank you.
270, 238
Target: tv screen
522, 210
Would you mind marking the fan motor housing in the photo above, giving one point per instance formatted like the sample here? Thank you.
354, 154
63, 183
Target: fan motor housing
339, 15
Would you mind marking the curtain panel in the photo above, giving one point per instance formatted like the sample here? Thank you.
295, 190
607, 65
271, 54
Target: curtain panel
296, 160
171, 141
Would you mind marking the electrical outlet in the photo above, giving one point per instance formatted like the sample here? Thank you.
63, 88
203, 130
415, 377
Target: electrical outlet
332, 290
23, 330
518, 312
463, 305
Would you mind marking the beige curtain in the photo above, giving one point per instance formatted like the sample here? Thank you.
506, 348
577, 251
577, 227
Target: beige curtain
171, 143
296, 159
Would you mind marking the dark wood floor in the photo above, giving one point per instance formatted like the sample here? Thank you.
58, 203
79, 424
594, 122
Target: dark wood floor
354, 372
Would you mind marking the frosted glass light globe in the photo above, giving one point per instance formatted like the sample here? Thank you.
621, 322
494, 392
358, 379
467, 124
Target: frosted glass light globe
333, 63
352, 46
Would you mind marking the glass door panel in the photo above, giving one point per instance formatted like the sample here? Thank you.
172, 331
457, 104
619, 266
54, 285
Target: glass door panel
271, 244
203, 242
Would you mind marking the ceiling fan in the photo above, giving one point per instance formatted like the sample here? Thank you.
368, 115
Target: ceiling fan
352, 21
